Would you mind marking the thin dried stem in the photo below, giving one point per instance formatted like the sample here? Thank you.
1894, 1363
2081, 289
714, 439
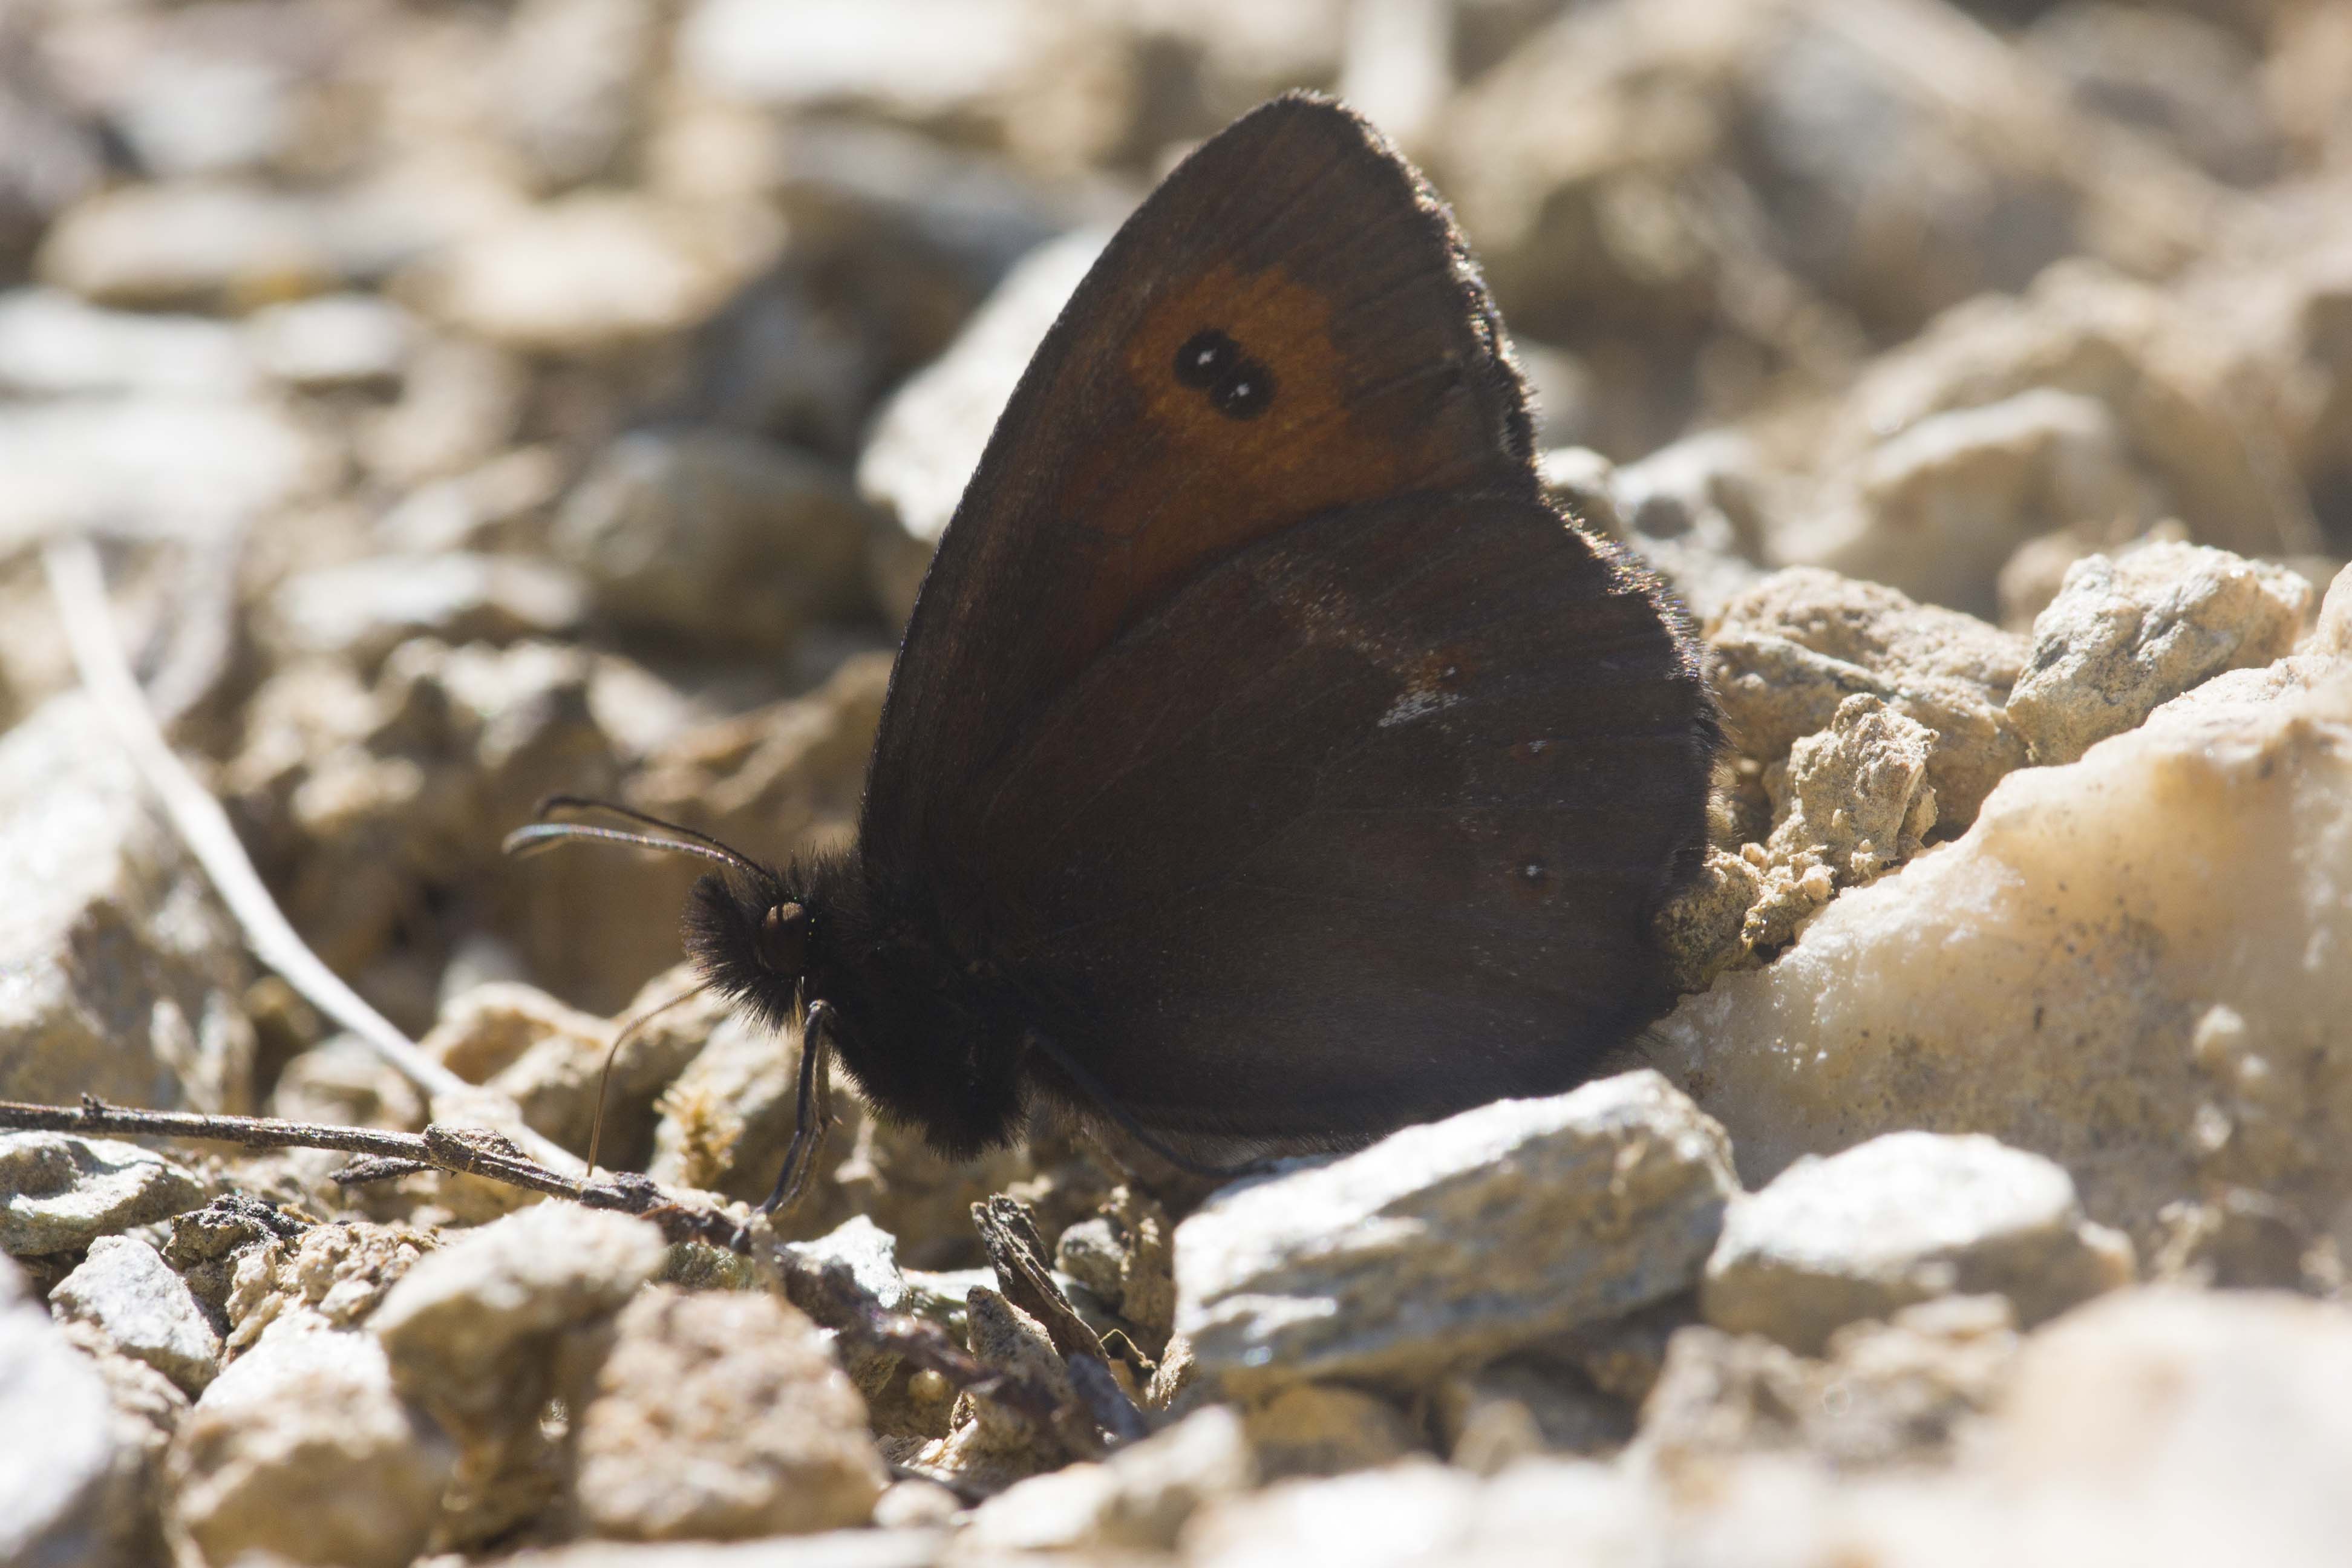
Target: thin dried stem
467, 1150
827, 1292
79, 586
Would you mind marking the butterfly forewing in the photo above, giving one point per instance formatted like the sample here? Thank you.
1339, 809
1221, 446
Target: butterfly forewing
1369, 362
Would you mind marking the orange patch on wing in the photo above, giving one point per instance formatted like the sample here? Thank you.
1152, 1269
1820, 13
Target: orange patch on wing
1215, 483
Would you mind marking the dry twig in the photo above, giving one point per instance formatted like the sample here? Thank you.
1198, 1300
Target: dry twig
469, 1151
828, 1293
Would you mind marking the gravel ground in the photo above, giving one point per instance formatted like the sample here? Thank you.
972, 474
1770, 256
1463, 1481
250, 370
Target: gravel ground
476, 400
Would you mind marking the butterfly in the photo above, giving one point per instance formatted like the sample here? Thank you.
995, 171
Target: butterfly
1266, 763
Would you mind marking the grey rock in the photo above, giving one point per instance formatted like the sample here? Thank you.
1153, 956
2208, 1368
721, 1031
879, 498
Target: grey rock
716, 538
332, 342
126, 1291
1785, 655
468, 1323
1693, 511
504, 504
1328, 1429
368, 795
911, 1504
64, 1192
1456, 1241
53, 344
1520, 1406
329, 1275
2128, 633
124, 976
1938, 509
1089, 1253
551, 1061
719, 1415
303, 1449
1852, 803
214, 92
66, 1476
2161, 1427
2183, 391
341, 1080
1904, 1218
2184, 79
209, 1247
997, 1445
2331, 634
363, 609
2204, 1416
872, 1255
1897, 1392
896, 238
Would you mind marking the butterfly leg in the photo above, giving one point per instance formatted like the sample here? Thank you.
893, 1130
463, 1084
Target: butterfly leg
813, 1112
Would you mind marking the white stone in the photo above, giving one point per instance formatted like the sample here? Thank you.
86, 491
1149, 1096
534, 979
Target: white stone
2127, 635
303, 1449
61, 1488
53, 344
173, 465
60, 1191
1139, 1500
203, 243
1457, 1240
928, 437
589, 274
2042, 979
363, 609
125, 1291
336, 341
1905, 1218
918, 57
470, 1317
120, 974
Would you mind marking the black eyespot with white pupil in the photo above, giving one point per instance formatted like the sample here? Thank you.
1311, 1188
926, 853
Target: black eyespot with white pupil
1237, 385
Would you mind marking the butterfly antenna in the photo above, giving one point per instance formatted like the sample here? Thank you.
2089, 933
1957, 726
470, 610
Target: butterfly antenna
605, 1078
680, 839
1111, 1108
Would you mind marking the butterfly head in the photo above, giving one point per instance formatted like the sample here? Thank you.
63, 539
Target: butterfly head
751, 934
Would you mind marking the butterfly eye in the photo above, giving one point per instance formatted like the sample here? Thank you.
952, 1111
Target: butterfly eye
783, 939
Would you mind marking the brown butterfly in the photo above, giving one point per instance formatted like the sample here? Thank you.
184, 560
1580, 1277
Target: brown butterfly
1266, 765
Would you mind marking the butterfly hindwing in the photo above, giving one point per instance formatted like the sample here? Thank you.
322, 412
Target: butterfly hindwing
1367, 823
